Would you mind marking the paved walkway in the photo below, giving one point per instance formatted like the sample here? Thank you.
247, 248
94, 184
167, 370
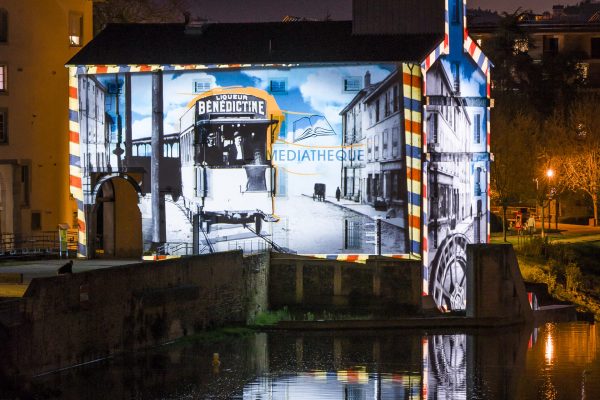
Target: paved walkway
566, 233
365, 209
43, 268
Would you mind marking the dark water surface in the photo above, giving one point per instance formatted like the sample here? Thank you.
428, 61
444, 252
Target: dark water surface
554, 361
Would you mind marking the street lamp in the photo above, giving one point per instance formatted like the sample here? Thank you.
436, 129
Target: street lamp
549, 175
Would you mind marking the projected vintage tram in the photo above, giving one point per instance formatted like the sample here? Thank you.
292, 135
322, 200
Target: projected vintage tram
226, 137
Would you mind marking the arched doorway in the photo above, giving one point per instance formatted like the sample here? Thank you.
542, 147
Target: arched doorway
117, 222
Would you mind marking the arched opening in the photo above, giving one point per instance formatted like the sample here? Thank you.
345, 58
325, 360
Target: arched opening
116, 219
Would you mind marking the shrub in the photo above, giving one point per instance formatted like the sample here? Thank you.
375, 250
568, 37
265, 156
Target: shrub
573, 277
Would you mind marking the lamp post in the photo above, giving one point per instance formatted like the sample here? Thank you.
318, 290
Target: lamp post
549, 174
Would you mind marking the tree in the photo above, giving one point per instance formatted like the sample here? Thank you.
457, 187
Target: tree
513, 146
517, 80
508, 49
575, 143
131, 11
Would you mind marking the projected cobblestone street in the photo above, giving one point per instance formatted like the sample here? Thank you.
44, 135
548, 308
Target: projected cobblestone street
314, 227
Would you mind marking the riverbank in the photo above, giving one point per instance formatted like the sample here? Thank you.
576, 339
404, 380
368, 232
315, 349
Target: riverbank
567, 262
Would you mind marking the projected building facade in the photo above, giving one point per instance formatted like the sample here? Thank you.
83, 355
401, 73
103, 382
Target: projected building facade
249, 148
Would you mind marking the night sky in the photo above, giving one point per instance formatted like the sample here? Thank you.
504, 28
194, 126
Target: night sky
275, 10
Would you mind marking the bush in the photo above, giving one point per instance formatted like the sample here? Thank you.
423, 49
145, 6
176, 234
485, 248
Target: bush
573, 277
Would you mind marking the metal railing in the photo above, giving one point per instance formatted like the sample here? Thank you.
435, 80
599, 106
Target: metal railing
249, 246
38, 244
175, 248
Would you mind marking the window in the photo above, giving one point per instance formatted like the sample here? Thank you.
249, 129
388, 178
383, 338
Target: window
3, 70
387, 109
3, 125
352, 84
395, 139
369, 149
377, 110
456, 12
278, 86
595, 50
396, 99
25, 185
376, 147
201, 85
3, 25
550, 46
477, 128
583, 70
521, 46
36, 220
385, 143
456, 76
75, 29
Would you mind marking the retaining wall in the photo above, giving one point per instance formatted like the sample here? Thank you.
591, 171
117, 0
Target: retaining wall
77, 318
381, 286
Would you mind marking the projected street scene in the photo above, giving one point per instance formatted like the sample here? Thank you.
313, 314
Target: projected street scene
250, 159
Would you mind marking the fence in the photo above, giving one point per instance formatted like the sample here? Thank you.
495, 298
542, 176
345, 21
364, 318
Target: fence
39, 244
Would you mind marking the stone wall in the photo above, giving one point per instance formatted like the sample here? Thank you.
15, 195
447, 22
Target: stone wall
495, 287
381, 286
73, 319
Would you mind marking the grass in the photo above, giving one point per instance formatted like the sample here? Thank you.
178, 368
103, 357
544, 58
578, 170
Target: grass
567, 262
270, 318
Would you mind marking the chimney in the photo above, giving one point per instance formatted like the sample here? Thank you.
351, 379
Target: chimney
196, 26
558, 10
394, 17
367, 80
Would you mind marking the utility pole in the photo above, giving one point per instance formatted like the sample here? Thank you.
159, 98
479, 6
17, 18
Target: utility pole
158, 198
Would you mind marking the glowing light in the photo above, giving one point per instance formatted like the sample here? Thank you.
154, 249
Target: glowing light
550, 173
549, 349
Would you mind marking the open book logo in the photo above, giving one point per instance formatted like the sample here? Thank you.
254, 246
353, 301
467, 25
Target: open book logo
312, 126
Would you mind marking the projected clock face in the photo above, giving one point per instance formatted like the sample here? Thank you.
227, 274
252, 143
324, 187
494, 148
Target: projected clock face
448, 273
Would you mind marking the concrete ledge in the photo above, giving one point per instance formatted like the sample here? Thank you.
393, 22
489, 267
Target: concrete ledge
555, 313
10, 277
403, 323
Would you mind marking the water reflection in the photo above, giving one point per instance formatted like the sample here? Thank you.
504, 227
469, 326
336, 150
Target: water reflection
551, 362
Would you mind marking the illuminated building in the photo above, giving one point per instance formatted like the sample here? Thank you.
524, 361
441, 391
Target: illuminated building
247, 131
36, 38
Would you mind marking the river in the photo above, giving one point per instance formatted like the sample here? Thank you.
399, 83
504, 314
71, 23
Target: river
554, 361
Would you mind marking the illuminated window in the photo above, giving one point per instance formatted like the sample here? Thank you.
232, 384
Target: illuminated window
352, 84
75, 29
3, 125
456, 76
3, 25
583, 70
201, 85
3, 70
521, 46
278, 86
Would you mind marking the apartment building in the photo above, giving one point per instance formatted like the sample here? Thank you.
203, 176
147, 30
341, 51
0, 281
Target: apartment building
36, 39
